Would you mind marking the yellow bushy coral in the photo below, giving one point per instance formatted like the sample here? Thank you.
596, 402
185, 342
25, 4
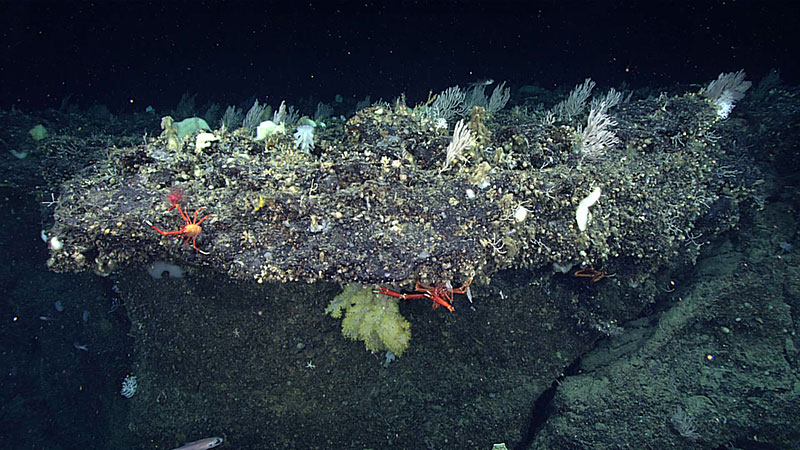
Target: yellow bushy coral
372, 318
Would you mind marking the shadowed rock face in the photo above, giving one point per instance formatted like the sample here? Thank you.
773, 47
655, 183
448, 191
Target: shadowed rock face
219, 357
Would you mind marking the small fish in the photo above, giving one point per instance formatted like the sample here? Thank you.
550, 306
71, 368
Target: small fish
486, 82
80, 347
202, 444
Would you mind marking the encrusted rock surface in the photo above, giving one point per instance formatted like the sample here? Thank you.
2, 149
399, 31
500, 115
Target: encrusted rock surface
371, 205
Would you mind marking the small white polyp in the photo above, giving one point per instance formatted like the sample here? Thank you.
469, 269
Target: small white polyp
55, 243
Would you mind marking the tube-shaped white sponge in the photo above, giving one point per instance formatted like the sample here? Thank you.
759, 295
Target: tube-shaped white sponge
582, 213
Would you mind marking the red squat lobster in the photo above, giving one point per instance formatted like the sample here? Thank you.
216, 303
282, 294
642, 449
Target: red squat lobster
441, 294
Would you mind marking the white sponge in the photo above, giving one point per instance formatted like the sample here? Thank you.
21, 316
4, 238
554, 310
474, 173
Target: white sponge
582, 213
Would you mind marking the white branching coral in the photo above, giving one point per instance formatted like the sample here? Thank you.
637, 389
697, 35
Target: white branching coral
726, 90
462, 139
448, 104
576, 101
591, 140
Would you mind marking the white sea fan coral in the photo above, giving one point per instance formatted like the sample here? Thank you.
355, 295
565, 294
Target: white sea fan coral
576, 101
304, 137
462, 139
591, 140
726, 90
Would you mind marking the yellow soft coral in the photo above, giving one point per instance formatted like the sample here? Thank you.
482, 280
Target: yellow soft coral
374, 319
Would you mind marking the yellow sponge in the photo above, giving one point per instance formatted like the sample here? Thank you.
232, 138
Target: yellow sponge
372, 318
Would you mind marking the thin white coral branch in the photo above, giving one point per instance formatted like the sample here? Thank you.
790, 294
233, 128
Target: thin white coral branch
462, 139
